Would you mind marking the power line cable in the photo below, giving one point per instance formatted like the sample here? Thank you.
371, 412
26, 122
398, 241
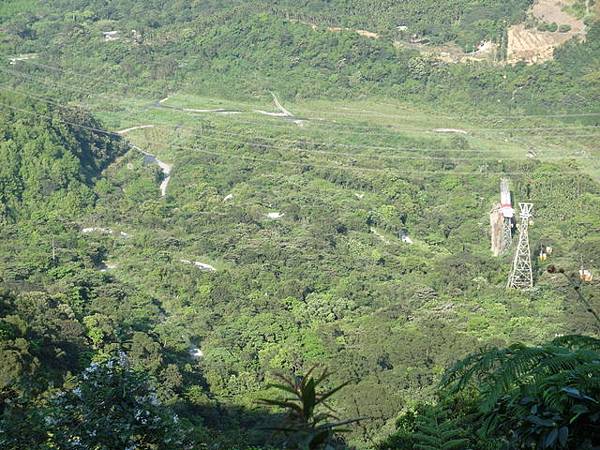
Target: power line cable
302, 142
476, 130
219, 138
512, 116
386, 171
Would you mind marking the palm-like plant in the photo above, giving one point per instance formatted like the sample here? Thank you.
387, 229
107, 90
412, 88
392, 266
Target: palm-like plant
310, 421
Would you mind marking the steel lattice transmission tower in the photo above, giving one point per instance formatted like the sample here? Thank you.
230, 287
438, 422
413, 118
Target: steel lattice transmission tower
521, 276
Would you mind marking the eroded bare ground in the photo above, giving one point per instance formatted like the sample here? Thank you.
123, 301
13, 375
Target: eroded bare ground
553, 11
533, 46
524, 44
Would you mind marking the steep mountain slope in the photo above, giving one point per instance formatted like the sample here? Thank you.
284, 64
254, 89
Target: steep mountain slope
49, 158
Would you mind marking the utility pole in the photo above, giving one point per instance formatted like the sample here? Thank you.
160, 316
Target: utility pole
507, 213
506, 235
501, 221
521, 276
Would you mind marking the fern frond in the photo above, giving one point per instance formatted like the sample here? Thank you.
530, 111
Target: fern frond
438, 433
456, 444
575, 342
522, 381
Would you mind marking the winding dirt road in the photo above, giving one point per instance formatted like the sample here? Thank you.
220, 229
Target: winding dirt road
166, 168
283, 113
139, 127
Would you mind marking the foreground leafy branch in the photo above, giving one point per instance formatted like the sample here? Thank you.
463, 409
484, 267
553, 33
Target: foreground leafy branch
546, 396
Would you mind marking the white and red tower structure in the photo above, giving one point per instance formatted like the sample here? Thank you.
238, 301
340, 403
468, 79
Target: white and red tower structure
508, 213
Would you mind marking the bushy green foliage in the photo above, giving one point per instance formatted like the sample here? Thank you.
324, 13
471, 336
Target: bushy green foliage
108, 406
331, 281
431, 427
47, 163
112, 406
466, 21
544, 396
437, 433
519, 397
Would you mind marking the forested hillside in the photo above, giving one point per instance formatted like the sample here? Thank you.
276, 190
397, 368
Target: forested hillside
49, 158
220, 204
244, 51
465, 21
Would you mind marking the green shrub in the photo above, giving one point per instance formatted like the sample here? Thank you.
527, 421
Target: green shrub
550, 27
544, 397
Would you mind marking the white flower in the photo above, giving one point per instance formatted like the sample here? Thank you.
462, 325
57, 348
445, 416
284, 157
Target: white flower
93, 368
50, 420
123, 360
153, 399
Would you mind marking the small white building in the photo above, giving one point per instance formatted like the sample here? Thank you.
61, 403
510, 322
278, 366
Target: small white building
200, 265
405, 237
111, 36
196, 353
23, 57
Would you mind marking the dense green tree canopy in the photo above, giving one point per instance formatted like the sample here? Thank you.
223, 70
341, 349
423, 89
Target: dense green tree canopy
353, 236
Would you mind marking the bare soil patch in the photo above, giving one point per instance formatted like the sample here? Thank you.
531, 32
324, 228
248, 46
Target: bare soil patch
533, 46
553, 11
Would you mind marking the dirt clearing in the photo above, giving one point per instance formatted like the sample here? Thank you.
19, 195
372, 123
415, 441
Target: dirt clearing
550, 11
534, 46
